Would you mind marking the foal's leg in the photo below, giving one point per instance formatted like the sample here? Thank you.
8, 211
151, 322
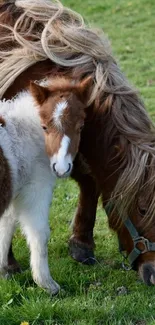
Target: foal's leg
33, 210
13, 265
7, 227
81, 241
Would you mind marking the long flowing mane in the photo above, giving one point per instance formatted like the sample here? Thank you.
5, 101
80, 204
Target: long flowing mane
36, 30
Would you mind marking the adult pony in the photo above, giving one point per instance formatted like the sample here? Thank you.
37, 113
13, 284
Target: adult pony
116, 157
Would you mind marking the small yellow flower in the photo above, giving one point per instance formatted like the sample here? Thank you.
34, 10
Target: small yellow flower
24, 323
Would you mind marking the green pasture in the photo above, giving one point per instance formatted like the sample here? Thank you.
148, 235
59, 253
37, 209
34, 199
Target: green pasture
91, 295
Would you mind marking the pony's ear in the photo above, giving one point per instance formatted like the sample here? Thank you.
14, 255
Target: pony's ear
84, 88
39, 93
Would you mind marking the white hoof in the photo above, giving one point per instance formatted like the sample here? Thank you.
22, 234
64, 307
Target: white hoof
49, 285
54, 288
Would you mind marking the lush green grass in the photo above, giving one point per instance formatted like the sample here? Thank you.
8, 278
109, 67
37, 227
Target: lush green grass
90, 294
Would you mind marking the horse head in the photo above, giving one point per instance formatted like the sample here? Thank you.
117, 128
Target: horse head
62, 111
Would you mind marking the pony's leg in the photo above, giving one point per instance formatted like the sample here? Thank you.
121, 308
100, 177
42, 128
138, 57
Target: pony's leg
82, 242
33, 210
7, 227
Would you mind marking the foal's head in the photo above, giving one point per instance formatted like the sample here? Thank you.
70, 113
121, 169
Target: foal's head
62, 111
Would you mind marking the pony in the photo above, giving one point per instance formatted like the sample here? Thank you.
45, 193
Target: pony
25, 200
116, 154
26, 179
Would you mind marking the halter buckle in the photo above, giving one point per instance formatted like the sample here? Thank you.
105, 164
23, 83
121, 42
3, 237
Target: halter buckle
144, 241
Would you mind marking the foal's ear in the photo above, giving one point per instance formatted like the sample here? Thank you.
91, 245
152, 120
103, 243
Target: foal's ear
84, 88
39, 93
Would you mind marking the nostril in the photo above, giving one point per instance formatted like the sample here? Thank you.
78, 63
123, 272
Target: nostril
54, 167
148, 274
69, 168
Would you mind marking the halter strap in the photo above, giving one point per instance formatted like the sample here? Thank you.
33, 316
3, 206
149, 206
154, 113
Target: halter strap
136, 238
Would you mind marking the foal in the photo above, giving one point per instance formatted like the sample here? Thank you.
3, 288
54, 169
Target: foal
26, 180
26, 184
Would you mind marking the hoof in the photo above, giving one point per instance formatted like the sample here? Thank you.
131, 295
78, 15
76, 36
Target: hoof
81, 253
49, 285
14, 268
7, 271
4, 274
54, 289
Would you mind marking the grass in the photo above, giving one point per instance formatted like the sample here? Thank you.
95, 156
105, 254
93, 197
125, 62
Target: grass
90, 294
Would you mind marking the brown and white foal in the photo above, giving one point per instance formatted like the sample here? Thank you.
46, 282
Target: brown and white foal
26, 180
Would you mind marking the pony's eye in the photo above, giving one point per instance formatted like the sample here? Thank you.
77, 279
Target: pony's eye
44, 127
142, 212
61, 96
81, 127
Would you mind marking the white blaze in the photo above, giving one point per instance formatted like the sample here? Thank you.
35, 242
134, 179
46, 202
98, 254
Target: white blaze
60, 107
62, 159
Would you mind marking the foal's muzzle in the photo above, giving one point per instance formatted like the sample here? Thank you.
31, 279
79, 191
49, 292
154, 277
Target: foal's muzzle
62, 173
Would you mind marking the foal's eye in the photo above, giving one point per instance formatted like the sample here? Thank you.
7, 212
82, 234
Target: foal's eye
44, 127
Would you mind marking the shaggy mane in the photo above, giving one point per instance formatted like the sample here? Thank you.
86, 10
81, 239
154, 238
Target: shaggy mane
40, 29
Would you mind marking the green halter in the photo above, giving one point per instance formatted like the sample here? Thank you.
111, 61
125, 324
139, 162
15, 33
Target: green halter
136, 238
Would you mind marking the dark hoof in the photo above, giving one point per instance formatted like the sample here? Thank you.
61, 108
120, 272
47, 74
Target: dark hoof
14, 268
81, 254
9, 270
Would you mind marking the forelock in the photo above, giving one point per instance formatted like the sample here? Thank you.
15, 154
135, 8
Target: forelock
58, 112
